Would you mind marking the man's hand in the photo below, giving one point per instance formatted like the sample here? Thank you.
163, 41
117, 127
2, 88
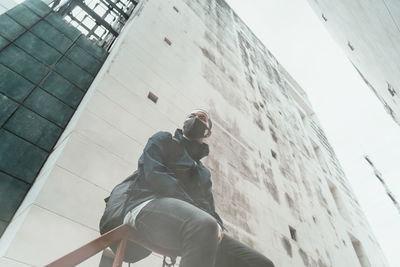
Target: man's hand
220, 234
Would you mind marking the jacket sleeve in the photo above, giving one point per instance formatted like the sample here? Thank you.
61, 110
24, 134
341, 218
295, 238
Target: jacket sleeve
156, 174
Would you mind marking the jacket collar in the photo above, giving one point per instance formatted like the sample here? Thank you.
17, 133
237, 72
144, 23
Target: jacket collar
196, 150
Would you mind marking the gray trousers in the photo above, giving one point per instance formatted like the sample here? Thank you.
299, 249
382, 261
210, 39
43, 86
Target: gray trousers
183, 229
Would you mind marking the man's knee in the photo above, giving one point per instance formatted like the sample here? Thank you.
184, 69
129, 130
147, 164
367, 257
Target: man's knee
268, 263
206, 226
200, 234
263, 262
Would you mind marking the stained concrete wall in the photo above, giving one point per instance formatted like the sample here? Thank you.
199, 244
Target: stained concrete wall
369, 33
273, 169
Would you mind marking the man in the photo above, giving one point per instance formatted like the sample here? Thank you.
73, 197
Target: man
170, 203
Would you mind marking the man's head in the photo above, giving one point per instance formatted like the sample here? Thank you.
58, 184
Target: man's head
197, 125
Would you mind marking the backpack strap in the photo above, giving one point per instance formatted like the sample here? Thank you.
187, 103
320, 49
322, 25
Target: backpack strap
176, 139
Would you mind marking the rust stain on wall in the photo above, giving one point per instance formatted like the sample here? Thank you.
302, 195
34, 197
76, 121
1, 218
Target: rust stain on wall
286, 245
273, 134
244, 46
304, 257
258, 121
208, 55
322, 200
269, 183
272, 120
217, 82
294, 206
289, 201
304, 178
321, 263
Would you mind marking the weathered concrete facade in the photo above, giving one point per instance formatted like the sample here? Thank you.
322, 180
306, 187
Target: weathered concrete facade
277, 182
369, 33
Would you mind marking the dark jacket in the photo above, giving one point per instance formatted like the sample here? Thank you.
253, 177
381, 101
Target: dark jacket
170, 166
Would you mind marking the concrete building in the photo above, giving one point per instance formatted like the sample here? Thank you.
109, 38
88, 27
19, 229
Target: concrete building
277, 182
369, 33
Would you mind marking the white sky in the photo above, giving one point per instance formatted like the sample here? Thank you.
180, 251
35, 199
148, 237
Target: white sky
351, 115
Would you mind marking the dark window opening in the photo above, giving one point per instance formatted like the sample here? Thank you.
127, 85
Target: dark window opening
293, 233
167, 41
152, 97
391, 90
273, 153
350, 45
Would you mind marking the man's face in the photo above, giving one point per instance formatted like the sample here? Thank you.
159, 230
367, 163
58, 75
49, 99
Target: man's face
203, 117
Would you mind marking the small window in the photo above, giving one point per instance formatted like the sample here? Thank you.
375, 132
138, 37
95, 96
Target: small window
273, 153
314, 219
391, 89
293, 233
152, 97
324, 18
350, 45
167, 41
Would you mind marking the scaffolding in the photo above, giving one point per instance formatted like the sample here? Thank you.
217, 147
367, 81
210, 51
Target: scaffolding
99, 20
379, 176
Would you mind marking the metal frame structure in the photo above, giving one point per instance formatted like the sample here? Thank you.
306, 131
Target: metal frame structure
99, 20
120, 234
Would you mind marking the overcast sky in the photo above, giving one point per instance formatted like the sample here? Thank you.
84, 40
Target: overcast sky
351, 115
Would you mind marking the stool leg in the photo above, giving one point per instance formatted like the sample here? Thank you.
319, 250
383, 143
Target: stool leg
120, 253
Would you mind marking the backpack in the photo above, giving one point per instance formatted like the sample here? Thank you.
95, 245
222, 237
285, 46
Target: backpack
113, 217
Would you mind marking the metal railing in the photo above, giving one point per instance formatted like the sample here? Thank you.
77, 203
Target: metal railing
99, 20
120, 234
